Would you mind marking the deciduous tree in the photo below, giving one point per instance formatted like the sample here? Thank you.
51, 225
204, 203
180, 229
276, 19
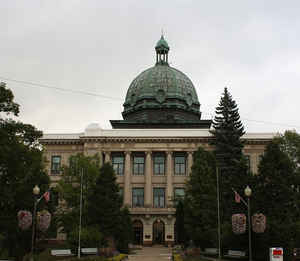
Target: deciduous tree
80, 166
21, 167
275, 196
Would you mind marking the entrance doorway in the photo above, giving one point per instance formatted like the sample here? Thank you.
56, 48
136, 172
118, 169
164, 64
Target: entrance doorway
158, 232
137, 232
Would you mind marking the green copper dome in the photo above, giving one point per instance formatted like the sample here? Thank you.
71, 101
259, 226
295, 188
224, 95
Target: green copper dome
161, 97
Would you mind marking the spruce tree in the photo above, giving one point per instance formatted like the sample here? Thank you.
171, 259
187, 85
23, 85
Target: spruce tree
228, 130
232, 165
200, 203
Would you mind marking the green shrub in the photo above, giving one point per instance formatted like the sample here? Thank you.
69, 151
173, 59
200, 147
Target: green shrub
90, 237
4, 253
177, 257
95, 258
43, 256
120, 257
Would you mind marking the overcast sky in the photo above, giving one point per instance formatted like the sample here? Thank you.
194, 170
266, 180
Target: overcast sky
99, 47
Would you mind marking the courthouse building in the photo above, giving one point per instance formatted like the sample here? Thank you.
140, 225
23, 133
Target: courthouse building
151, 149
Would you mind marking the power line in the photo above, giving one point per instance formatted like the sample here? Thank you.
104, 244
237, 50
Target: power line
119, 99
273, 123
259, 121
60, 89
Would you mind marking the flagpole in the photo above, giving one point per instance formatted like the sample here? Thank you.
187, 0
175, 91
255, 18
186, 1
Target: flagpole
219, 219
80, 215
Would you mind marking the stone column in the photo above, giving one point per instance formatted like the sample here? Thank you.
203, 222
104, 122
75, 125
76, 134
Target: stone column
127, 179
189, 162
170, 171
107, 156
148, 180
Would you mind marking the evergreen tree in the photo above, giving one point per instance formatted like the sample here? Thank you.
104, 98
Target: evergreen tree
180, 230
200, 203
232, 165
228, 130
275, 196
125, 233
21, 168
104, 208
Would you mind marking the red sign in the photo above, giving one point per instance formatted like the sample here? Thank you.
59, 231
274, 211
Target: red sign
277, 252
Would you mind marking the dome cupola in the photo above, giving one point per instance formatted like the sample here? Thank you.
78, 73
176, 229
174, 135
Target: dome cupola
162, 50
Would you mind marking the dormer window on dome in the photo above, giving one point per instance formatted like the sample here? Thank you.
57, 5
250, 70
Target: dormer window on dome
162, 49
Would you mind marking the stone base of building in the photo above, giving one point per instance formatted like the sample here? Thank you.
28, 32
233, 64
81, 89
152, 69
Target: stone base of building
169, 243
147, 243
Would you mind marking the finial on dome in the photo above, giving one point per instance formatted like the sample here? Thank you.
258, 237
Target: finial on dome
162, 48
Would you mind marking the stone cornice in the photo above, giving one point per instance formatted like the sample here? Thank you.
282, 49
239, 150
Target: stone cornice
61, 141
83, 140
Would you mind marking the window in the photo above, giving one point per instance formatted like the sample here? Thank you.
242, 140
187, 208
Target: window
118, 164
178, 193
138, 164
137, 197
179, 162
159, 164
55, 164
159, 197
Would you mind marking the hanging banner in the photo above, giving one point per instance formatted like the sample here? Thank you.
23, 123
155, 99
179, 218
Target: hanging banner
24, 219
259, 223
238, 223
43, 220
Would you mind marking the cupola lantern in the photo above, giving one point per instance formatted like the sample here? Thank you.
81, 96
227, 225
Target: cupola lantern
162, 48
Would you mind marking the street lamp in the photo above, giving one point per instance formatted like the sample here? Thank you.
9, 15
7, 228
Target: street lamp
248, 193
36, 192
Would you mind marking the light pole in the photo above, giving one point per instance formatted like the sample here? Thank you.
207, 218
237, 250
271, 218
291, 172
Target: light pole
36, 192
248, 193
80, 216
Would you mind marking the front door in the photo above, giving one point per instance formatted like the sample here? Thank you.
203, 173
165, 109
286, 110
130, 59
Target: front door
158, 232
137, 232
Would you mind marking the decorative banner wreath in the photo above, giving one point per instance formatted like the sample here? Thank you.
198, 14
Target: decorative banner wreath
43, 220
24, 219
238, 223
259, 223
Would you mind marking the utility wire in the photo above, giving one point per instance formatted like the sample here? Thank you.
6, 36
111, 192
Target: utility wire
60, 89
272, 123
119, 99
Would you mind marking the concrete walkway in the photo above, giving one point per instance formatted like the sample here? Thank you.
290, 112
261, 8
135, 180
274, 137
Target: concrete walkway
154, 253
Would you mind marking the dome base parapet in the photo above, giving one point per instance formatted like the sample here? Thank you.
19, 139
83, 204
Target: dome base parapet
123, 124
